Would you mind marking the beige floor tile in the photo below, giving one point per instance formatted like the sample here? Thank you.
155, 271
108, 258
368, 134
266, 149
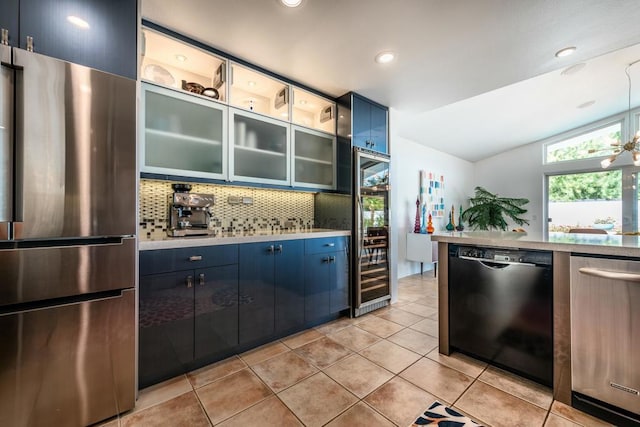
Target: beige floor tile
302, 338
354, 338
269, 412
260, 354
390, 356
284, 370
459, 362
439, 380
419, 309
210, 373
364, 317
379, 326
414, 341
358, 375
554, 420
575, 415
519, 387
428, 301
427, 326
162, 392
401, 317
232, 394
497, 408
360, 415
184, 410
317, 400
400, 401
335, 326
323, 352
113, 422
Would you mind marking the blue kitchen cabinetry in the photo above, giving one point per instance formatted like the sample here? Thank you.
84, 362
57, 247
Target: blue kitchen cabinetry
271, 290
369, 124
109, 43
9, 20
188, 312
326, 278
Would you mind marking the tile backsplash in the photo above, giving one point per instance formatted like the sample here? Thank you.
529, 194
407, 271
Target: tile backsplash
271, 209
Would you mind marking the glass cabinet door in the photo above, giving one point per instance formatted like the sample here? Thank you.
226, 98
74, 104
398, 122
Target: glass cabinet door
314, 155
313, 111
260, 149
182, 134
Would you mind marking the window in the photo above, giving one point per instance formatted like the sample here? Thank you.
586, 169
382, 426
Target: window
595, 143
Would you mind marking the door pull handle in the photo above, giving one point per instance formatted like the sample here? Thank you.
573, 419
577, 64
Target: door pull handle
279, 248
195, 258
270, 249
201, 279
189, 281
330, 245
613, 275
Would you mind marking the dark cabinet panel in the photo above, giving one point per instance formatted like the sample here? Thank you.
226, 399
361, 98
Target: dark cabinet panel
166, 326
108, 44
216, 311
289, 284
257, 291
9, 19
369, 127
361, 132
317, 288
378, 128
339, 273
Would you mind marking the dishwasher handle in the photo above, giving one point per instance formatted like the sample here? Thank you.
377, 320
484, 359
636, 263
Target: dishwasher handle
491, 261
607, 274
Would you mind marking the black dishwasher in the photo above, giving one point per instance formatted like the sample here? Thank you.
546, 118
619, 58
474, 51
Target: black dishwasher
501, 308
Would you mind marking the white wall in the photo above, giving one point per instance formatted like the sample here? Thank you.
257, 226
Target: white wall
516, 173
407, 159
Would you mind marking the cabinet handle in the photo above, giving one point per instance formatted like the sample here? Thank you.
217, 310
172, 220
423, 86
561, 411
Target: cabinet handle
189, 281
332, 259
373, 144
367, 143
279, 248
270, 249
330, 244
201, 279
195, 258
5, 37
327, 259
29, 44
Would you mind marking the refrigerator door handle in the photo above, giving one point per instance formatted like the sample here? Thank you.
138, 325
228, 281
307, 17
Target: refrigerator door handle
7, 82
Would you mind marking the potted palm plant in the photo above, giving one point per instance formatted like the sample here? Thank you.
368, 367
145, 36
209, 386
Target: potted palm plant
488, 211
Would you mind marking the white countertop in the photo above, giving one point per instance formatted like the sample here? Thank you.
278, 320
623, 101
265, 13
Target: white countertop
601, 244
166, 242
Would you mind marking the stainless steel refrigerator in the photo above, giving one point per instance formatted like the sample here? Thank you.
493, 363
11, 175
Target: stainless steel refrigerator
371, 228
67, 241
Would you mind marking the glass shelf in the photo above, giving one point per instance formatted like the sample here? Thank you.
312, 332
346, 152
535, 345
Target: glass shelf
313, 159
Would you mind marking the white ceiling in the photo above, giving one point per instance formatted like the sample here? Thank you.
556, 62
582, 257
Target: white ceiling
472, 77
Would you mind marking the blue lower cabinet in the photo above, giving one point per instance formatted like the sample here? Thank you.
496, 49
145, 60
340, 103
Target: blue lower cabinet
289, 283
216, 311
257, 292
166, 326
339, 272
317, 288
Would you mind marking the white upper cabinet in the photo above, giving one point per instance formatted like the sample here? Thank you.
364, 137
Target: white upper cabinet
313, 111
257, 92
168, 62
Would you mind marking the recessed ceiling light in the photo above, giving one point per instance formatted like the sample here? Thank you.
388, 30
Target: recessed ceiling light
284, 114
385, 57
291, 3
78, 22
586, 104
566, 51
573, 69
302, 102
181, 58
251, 83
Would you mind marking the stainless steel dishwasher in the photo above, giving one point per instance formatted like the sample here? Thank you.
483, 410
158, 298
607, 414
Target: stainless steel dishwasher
501, 308
605, 338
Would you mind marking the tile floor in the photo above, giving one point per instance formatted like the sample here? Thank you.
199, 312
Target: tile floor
381, 369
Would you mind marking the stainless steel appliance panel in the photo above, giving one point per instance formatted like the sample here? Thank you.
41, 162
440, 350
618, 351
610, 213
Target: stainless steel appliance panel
51, 272
372, 228
75, 149
68, 365
6, 136
605, 330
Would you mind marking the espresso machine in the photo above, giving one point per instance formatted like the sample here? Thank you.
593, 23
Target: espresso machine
189, 213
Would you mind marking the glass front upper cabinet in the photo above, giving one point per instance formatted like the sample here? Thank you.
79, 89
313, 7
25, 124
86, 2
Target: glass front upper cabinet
182, 134
168, 62
257, 92
260, 148
314, 158
313, 111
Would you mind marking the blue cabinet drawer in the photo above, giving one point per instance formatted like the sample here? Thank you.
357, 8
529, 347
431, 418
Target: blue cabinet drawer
168, 260
325, 245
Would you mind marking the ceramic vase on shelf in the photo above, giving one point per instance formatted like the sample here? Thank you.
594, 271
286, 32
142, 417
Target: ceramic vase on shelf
423, 229
451, 226
430, 228
416, 225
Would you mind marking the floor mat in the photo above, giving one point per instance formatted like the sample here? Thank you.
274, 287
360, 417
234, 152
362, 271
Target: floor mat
442, 416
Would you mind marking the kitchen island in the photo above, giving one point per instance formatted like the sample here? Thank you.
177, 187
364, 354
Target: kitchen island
563, 247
